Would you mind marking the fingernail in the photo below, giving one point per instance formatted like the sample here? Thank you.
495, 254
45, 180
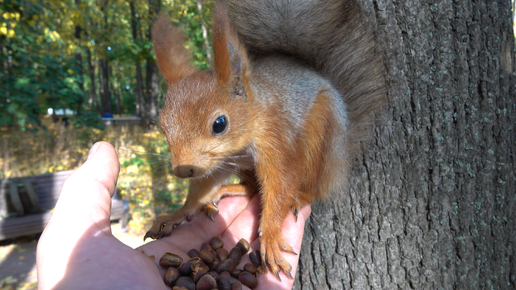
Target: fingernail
93, 150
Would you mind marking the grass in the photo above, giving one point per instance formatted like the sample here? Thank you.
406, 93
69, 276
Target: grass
145, 180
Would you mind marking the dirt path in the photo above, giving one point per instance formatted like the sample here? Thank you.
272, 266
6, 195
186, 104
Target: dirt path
18, 260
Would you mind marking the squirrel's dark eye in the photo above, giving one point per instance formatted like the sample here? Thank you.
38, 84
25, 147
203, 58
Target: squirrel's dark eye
219, 126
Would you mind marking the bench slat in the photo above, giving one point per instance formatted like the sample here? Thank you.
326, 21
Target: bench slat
48, 189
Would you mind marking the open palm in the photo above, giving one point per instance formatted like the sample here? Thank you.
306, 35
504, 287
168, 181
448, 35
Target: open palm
77, 249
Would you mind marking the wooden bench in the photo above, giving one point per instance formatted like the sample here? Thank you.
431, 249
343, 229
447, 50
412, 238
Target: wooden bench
26, 204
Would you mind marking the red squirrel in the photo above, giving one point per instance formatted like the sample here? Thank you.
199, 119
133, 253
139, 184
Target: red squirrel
293, 91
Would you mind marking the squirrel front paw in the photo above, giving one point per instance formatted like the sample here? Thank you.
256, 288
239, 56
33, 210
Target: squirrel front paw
271, 245
163, 225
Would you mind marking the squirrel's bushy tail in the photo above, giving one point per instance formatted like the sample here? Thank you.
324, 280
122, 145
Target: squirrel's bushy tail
333, 37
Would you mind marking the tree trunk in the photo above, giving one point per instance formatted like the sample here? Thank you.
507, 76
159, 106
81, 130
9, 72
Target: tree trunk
105, 97
78, 55
139, 79
106, 93
93, 91
99, 90
115, 88
78, 59
432, 202
152, 81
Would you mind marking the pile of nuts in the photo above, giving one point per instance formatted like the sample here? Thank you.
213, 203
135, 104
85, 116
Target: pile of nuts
212, 267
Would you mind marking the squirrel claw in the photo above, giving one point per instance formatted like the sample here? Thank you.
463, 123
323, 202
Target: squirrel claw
296, 212
295, 208
277, 275
271, 246
211, 211
163, 225
153, 235
289, 275
147, 235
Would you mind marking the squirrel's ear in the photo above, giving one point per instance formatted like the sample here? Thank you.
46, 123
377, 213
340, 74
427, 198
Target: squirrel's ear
229, 54
172, 58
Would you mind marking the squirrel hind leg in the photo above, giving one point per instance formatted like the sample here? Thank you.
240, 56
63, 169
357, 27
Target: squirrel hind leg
271, 246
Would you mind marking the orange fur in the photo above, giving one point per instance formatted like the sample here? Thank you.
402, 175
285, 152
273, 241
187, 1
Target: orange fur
292, 97
172, 58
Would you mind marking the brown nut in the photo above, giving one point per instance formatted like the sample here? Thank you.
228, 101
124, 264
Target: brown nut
204, 266
222, 267
170, 260
227, 275
235, 273
243, 245
214, 274
198, 274
179, 288
195, 261
193, 253
186, 268
171, 276
255, 258
206, 246
222, 254
216, 243
206, 282
250, 268
185, 282
235, 254
213, 266
248, 279
207, 256
225, 283
231, 264
236, 285
200, 269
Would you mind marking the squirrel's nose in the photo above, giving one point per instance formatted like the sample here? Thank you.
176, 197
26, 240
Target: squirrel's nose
184, 171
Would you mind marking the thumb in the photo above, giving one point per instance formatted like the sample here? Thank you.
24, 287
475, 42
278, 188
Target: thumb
85, 198
81, 213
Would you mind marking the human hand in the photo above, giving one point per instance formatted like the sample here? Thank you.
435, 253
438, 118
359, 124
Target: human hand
77, 249
238, 218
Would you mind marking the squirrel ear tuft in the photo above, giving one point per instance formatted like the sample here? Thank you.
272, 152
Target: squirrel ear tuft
229, 53
172, 58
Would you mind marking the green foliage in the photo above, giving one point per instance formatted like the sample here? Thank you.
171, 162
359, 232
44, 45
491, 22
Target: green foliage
39, 49
186, 16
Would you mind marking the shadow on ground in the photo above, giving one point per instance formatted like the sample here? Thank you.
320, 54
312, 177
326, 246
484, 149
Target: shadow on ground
18, 263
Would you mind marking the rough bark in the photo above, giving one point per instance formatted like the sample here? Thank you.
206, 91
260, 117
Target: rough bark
432, 200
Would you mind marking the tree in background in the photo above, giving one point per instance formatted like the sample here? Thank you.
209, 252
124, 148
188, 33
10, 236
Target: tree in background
29, 79
47, 46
